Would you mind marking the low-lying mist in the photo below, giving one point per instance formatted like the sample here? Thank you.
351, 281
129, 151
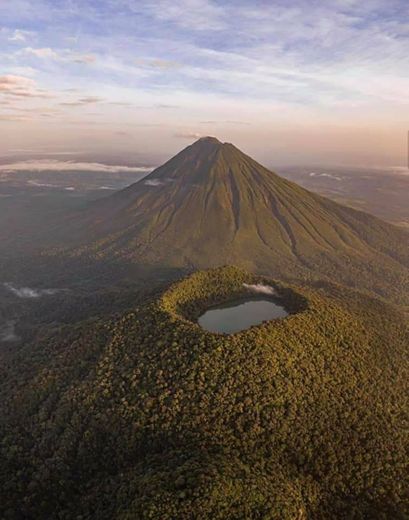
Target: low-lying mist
8, 332
260, 288
28, 292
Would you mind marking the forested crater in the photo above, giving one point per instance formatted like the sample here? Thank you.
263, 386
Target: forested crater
148, 416
191, 298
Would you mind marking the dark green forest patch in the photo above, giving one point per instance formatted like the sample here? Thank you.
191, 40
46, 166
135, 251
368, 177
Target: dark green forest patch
147, 416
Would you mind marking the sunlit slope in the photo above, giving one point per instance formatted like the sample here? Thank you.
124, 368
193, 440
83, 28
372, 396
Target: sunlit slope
211, 205
147, 416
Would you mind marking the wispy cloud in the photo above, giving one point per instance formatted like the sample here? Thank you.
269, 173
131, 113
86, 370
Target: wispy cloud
28, 292
260, 288
15, 119
165, 106
188, 135
55, 165
84, 58
42, 151
222, 122
10, 83
327, 175
8, 332
19, 36
62, 55
19, 86
271, 65
44, 52
88, 100
201, 15
160, 64
154, 182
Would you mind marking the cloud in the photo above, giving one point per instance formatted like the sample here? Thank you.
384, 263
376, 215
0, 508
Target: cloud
274, 64
30, 94
154, 182
71, 104
15, 119
19, 36
11, 83
228, 122
24, 70
165, 64
20, 86
84, 58
48, 185
27, 292
157, 63
165, 106
8, 332
260, 288
55, 165
119, 103
88, 100
199, 15
62, 55
21, 114
41, 184
42, 151
329, 175
188, 135
45, 52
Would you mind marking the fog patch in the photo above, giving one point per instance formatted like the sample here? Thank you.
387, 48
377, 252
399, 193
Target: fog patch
8, 332
328, 175
260, 288
154, 182
48, 185
28, 292
42, 184
41, 165
157, 182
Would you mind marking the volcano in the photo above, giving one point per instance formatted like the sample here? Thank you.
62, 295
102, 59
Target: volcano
212, 205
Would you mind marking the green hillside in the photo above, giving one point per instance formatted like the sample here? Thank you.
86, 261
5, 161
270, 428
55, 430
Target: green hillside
147, 416
212, 205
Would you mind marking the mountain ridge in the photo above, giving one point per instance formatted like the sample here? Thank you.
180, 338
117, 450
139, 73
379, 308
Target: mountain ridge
212, 205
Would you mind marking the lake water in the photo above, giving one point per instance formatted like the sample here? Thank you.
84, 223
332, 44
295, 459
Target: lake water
240, 315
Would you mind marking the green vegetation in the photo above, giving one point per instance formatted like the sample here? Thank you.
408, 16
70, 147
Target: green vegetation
147, 416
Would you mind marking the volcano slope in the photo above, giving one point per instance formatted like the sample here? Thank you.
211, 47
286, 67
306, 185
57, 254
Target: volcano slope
148, 416
212, 205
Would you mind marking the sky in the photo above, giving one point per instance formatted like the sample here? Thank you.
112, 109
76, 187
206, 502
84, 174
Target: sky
289, 82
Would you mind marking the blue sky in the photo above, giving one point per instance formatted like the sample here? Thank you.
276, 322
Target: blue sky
287, 81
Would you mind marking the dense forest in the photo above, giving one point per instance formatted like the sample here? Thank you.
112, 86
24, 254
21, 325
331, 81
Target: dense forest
147, 416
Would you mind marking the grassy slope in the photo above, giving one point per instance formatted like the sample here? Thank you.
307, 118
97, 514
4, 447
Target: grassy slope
212, 205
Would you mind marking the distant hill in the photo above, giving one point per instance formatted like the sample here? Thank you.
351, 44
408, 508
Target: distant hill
213, 205
147, 416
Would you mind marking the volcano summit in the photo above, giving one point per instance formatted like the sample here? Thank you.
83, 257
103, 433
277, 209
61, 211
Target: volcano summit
212, 205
